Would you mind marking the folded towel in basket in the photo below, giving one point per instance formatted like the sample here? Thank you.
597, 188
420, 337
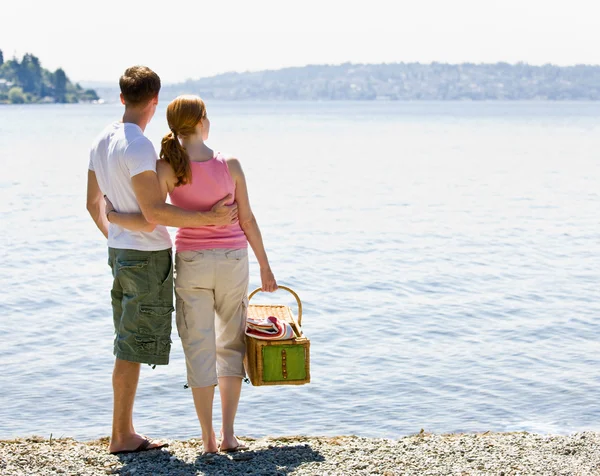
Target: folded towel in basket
270, 328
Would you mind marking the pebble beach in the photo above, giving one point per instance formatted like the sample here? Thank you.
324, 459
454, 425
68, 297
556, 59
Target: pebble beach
501, 454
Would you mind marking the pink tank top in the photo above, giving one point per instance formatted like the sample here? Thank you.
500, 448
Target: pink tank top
211, 181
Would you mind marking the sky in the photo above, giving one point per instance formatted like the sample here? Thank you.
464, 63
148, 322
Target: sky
184, 39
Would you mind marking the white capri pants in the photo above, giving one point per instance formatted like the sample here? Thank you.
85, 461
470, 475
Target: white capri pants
211, 289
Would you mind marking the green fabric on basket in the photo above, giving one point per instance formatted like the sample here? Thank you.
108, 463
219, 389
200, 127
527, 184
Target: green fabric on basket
272, 363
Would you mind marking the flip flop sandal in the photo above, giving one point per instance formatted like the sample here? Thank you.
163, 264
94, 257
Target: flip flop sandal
144, 446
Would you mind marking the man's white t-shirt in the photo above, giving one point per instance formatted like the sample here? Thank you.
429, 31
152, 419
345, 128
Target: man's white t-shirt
118, 153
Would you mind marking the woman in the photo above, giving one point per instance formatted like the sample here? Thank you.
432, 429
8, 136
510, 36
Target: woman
211, 265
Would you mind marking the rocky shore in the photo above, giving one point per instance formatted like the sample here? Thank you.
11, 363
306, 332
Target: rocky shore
421, 454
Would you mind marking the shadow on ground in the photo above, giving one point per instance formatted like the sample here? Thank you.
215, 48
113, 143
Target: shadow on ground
275, 460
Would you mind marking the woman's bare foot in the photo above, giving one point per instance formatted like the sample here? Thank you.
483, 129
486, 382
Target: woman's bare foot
210, 444
231, 444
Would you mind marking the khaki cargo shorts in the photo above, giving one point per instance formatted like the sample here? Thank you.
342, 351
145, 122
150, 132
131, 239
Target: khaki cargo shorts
142, 302
211, 288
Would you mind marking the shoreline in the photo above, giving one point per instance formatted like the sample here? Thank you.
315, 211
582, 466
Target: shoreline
504, 454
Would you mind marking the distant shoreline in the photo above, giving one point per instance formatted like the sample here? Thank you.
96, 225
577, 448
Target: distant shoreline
80, 103
393, 82
423, 453
165, 101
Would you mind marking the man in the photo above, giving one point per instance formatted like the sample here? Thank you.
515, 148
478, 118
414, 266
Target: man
122, 167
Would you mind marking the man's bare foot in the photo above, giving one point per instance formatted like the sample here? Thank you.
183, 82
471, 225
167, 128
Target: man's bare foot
133, 443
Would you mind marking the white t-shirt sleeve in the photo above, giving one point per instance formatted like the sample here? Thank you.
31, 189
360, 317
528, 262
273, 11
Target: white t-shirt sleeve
140, 156
91, 164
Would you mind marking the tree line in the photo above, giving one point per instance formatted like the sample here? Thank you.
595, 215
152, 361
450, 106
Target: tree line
403, 81
26, 81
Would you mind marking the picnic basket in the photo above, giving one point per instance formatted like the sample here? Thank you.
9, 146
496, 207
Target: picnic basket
277, 362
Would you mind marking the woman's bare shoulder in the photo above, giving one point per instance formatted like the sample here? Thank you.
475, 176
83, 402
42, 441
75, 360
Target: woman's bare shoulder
232, 160
166, 174
163, 164
234, 165
164, 169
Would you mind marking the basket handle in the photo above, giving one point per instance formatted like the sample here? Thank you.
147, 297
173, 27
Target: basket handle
257, 290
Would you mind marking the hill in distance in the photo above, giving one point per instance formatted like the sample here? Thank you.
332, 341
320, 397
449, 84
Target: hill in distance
395, 81
402, 81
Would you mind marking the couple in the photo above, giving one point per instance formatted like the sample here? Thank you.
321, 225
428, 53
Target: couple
126, 192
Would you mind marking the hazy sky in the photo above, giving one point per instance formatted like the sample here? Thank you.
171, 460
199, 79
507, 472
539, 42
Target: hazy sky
183, 39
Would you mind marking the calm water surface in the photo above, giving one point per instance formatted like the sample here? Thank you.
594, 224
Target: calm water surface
447, 255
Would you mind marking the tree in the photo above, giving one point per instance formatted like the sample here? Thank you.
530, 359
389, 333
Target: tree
59, 81
10, 70
90, 95
30, 74
1, 58
15, 96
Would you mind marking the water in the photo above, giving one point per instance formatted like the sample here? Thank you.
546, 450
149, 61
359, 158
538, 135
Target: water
447, 256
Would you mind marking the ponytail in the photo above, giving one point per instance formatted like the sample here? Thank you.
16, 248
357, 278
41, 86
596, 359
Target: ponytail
177, 157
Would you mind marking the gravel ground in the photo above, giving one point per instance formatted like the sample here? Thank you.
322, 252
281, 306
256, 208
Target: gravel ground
422, 454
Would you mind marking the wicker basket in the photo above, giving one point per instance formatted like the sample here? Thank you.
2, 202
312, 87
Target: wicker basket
277, 362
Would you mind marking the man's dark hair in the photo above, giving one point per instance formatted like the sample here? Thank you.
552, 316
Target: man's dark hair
139, 84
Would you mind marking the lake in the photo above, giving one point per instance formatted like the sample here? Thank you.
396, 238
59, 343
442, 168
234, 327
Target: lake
447, 255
